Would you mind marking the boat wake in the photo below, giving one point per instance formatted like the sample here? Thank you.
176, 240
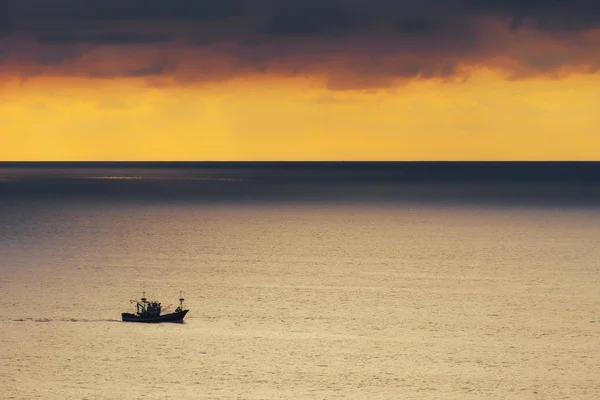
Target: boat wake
63, 320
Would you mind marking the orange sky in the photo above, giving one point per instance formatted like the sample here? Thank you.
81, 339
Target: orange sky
484, 118
469, 87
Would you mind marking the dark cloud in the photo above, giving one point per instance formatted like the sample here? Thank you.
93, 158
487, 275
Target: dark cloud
5, 15
554, 15
349, 43
101, 38
160, 10
57, 56
416, 25
124, 10
157, 68
312, 17
307, 17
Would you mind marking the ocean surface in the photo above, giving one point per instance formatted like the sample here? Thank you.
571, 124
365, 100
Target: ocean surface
304, 281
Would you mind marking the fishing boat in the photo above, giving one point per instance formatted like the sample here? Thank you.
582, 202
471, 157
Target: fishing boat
150, 311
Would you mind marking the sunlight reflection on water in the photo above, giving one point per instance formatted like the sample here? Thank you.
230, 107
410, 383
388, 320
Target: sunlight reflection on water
299, 301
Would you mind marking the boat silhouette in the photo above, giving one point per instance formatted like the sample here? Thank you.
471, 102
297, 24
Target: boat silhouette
150, 312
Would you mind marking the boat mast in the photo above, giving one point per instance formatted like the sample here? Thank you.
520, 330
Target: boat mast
181, 300
142, 304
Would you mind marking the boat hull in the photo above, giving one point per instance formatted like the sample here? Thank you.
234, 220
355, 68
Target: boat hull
173, 317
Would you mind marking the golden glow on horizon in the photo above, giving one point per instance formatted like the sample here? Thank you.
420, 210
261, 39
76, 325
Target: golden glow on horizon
486, 118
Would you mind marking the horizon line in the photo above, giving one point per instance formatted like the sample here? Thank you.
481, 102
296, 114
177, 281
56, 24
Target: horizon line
12, 163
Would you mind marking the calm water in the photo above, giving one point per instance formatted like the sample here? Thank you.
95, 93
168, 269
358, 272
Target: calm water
297, 289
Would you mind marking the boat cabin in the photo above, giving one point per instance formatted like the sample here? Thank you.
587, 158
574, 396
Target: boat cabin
148, 308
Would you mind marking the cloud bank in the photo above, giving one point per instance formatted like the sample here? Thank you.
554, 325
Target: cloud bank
350, 44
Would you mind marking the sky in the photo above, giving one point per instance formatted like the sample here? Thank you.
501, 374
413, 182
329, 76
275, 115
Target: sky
156, 80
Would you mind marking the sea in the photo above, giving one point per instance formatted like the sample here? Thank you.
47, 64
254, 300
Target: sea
302, 280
